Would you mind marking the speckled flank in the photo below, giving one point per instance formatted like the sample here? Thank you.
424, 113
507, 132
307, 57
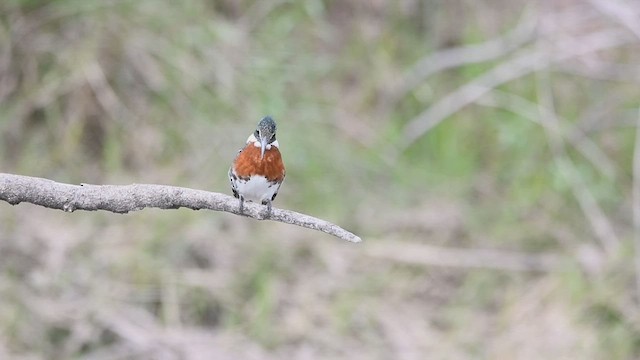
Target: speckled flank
257, 189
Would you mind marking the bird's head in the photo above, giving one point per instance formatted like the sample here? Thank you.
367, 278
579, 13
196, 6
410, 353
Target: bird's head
265, 133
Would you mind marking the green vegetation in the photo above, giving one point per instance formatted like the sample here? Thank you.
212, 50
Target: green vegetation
125, 91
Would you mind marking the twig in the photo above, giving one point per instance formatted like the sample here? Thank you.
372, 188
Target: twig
122, 199
599, 222
523, 64
621, 12
531, 111
626, 16
602, 70
636, 202
470, 92
421, 254
464, 55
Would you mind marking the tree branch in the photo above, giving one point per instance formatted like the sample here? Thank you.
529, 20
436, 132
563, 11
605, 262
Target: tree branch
122, 199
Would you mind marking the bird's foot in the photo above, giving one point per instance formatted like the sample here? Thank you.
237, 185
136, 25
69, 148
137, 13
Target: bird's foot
267, 215
241, 206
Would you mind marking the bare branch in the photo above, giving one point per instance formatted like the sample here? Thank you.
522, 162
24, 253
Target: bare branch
531, 111
468, 54
122, 199
428, 255
625, 14
636, 202
598, 220
524, 63
621, 12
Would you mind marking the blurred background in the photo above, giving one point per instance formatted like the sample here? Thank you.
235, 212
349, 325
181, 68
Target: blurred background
484, 151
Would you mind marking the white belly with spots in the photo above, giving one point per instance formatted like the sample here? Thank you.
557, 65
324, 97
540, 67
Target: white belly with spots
257, 189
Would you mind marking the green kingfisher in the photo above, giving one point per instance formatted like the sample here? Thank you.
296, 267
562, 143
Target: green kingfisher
258, 171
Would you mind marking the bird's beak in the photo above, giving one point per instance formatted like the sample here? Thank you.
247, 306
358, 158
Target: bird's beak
263, 146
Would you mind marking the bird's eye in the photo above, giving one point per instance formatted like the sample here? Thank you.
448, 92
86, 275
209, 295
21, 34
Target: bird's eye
257, 134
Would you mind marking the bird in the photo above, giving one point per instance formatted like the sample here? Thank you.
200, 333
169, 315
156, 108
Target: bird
257, 170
